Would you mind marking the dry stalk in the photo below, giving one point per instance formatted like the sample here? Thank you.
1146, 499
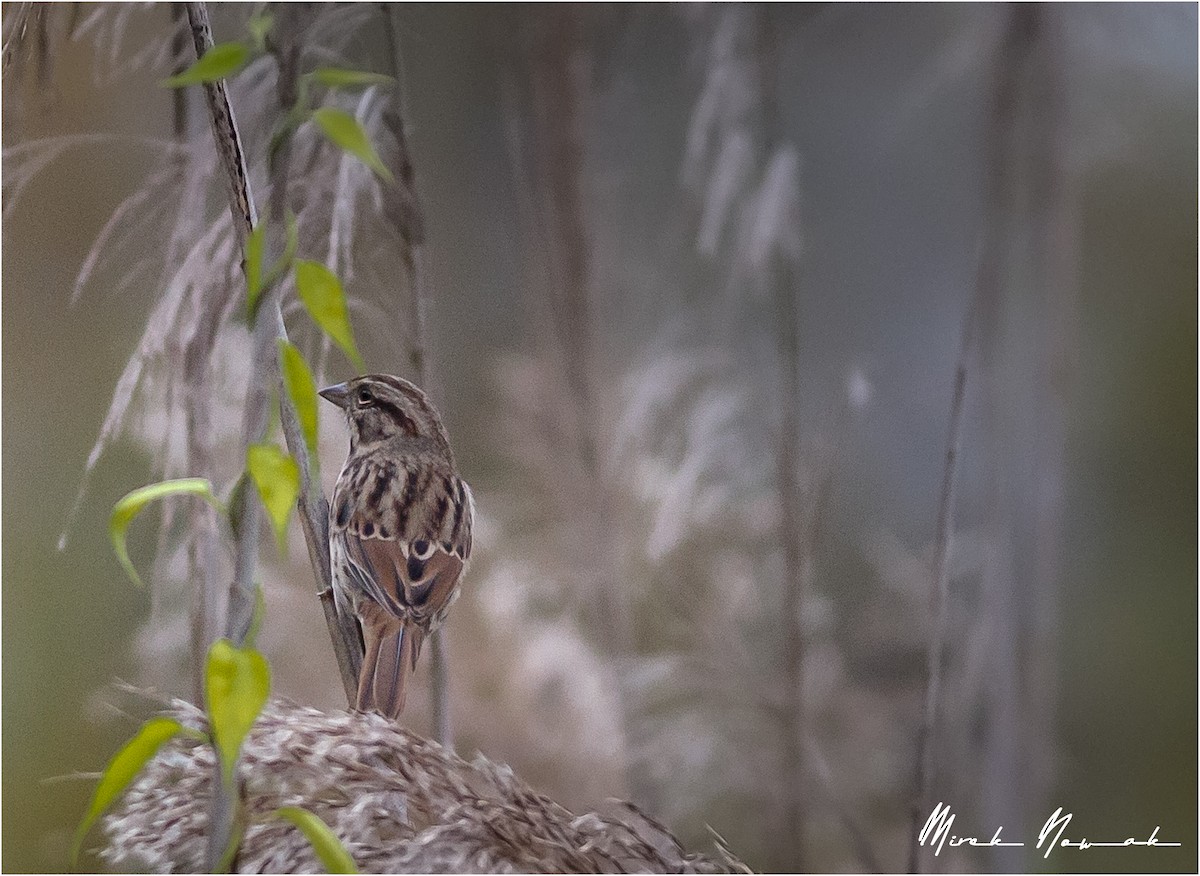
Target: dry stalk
406, 214
782, 280
268, 326
554, 61
398, 803
988, 281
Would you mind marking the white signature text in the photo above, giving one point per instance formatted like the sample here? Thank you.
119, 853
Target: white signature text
936, 833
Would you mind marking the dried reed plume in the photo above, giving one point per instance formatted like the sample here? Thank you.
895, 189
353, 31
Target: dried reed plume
399, 803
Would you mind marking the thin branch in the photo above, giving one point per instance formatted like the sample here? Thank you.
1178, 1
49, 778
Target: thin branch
268, 326
403, 208
226, 798
203, 544
940, 587
225, 133
798, 546
986, 292
179, 97
1056, 241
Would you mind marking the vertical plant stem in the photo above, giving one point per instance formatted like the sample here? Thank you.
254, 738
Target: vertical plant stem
797, 549
226, 798
940, 585
225, 133
179, 96
42, 38
203, 545
1056, 249
556, 100
794, 561
1027, 344
407, 215
554, 59
988, 283
268, 326
314, 508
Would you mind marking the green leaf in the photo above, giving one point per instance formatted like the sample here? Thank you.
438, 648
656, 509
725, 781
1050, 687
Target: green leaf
237, 681
332, 854
277, 477
132, 503
122, 770
344, 131
236, 498
302, 390
321, 292
220, 61
254, 268
339, 77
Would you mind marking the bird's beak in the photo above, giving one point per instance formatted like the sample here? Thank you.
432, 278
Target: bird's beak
338, 394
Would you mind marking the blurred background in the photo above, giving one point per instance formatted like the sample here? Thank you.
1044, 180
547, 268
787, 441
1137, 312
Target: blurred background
698, 282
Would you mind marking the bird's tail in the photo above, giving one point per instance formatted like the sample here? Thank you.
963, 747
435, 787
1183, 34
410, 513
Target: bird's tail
391, 654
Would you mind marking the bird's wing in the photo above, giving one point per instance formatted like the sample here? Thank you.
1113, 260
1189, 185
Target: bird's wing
410, 588
410, 560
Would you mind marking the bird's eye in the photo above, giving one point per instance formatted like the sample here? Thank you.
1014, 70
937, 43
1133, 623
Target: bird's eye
364, 397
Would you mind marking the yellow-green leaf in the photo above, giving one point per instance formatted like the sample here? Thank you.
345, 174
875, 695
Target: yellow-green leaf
321, 292
223, 59
237, 681
277, 477
132, 503
302, 390
254, 268
330, 851
122, 769
339, 77
344, 131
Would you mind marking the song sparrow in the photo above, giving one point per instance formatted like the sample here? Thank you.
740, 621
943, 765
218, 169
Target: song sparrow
399, 530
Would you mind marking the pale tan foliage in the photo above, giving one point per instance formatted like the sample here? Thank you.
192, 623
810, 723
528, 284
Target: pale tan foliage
398, 802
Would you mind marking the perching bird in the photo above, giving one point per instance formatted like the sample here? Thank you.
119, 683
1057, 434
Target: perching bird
399, 530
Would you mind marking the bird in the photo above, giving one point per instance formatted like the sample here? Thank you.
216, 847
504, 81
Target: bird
399, 530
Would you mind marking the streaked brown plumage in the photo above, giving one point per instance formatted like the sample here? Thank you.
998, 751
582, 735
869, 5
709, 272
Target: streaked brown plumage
399, 530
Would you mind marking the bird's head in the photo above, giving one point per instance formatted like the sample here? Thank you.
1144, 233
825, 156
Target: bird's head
380, 407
